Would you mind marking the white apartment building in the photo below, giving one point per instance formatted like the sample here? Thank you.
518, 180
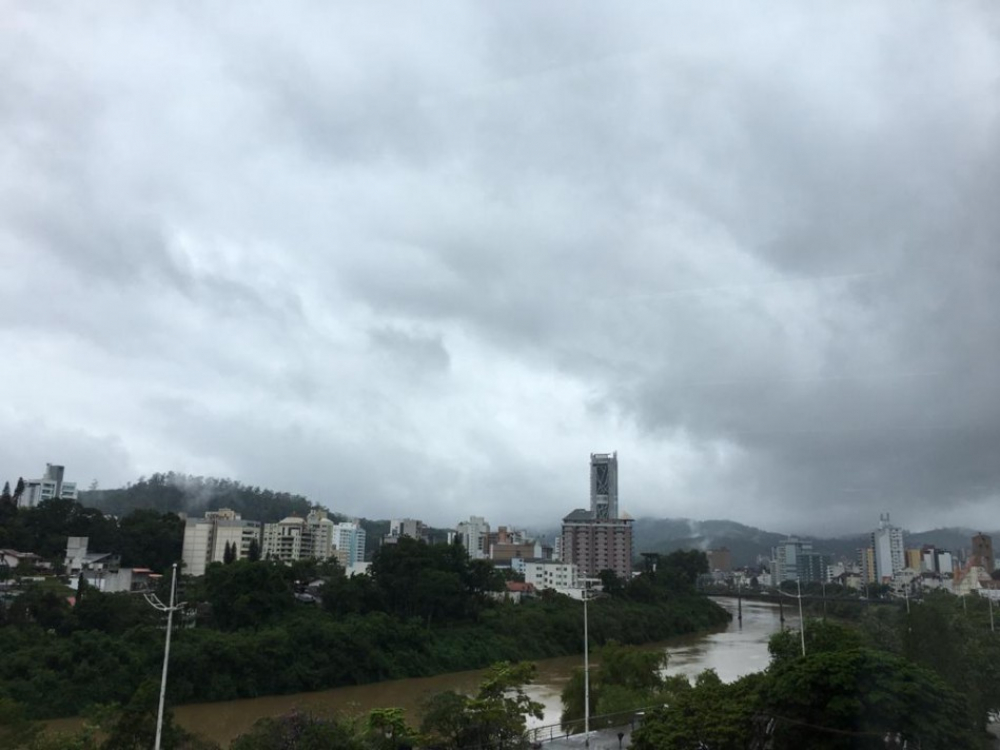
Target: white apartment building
551, 574
50, 486
349, 539
889, 553
205, 539
475, 536
296, 538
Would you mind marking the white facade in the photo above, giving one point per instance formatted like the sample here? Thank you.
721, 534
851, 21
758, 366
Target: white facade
50, 486
205, 539
475, 536
551, 574
890, 555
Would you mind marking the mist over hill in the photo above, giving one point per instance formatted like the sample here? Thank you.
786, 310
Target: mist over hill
180, 493
746, 543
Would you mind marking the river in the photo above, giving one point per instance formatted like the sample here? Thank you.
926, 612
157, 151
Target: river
732, 652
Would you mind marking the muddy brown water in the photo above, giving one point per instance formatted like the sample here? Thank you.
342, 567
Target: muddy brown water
732, 652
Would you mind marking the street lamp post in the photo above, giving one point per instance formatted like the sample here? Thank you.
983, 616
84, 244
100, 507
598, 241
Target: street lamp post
155, 602
802, 620
586, 668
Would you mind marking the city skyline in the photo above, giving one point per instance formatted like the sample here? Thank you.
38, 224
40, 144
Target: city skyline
425, 262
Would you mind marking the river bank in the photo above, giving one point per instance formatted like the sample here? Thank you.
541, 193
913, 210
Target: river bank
732, 650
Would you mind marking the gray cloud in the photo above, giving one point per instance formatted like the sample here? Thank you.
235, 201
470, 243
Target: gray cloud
431, 265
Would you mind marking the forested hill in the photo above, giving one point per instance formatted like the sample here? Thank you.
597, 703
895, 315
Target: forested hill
180, 493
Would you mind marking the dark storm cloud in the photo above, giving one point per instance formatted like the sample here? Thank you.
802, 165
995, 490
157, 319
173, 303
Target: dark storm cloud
755, 252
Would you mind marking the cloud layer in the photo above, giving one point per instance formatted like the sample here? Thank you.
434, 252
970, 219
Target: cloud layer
422, 263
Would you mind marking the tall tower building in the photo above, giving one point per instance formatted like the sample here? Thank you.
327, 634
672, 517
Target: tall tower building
604, 485
887, 543
600, 538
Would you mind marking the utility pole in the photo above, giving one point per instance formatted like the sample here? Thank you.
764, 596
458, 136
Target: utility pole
155, 602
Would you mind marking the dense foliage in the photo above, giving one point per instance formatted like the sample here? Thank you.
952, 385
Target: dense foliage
172, 492
930, 677
493, 718
143, 538
425, 609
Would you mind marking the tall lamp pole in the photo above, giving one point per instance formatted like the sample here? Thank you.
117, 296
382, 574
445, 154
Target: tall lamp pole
802, 621
586, 668
155, 602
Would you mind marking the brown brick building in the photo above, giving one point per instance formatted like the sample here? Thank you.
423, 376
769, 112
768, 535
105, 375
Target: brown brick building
596, 544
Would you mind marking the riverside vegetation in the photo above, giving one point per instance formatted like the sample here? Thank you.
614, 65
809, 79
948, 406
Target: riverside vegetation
929, 678
424, 609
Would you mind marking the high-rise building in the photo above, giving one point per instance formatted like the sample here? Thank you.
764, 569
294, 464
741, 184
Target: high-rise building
604, 485
794, 560
595, 545
982, 552
349, 539
600, 538
866, 561
51, 485
206, 539
474, 535
887, 543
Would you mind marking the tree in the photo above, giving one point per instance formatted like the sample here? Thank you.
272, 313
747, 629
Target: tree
611, 584
253, 553
821, 636
16, 730
247, 593
229, 554
851, 699
18, 490
133, 726
709, 714
5, 496
495, 717
151, 539
628, 678
297, 731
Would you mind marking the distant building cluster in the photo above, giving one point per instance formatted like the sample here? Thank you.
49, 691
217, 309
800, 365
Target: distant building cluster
210, 539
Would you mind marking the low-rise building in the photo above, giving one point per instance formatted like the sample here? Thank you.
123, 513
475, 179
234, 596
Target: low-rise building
79, 558
551, 574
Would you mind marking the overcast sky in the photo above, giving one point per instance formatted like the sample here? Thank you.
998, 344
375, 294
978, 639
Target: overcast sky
422, 259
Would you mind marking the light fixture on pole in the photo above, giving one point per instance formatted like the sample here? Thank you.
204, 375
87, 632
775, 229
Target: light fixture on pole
154, 601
